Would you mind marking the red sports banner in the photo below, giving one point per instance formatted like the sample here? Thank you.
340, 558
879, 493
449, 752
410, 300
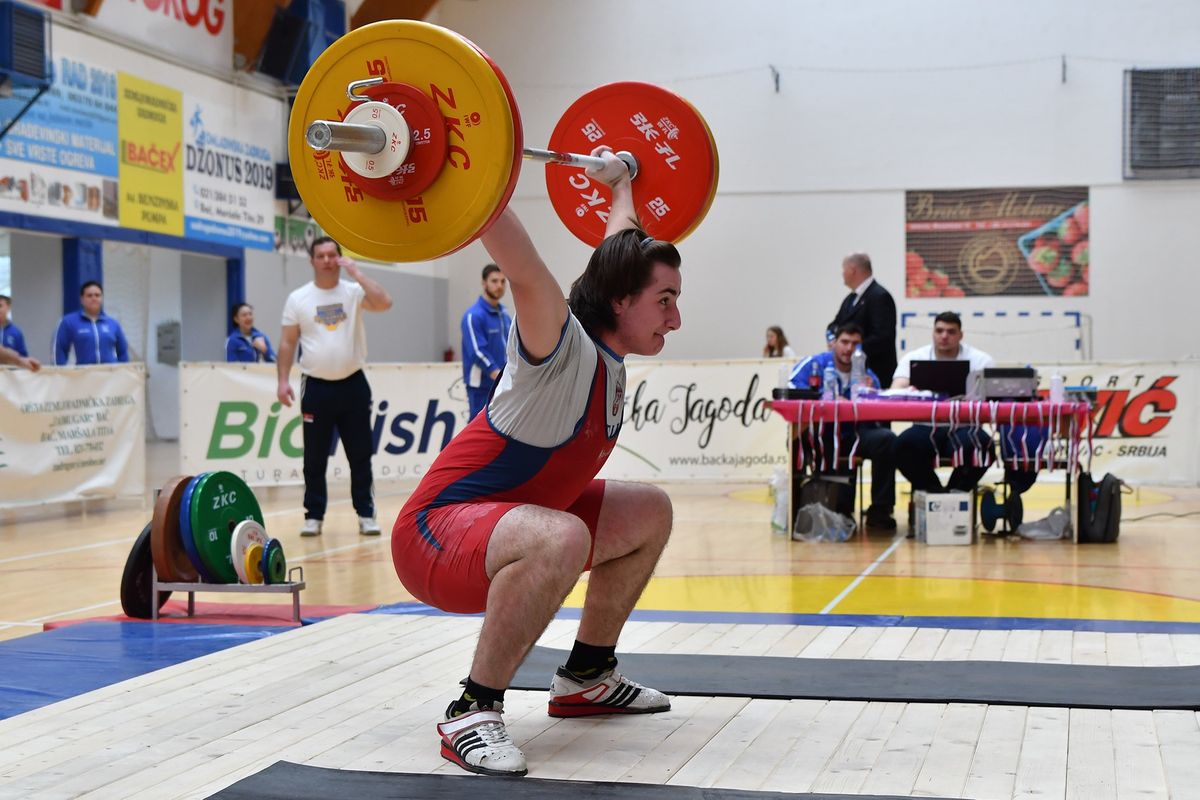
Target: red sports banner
988, 242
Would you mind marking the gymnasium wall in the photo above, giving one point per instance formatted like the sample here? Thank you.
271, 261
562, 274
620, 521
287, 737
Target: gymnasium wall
873, 99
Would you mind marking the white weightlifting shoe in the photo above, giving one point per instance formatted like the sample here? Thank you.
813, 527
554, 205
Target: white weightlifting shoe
478, 742
608, 693
367, 526
312, 527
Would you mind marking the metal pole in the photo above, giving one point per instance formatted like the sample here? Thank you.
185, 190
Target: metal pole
351, 138
347, 137
576, 160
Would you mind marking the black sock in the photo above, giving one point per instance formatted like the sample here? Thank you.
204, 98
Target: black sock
588, 660
477, 693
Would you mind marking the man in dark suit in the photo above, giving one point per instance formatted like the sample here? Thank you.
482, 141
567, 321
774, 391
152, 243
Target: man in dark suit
872, 308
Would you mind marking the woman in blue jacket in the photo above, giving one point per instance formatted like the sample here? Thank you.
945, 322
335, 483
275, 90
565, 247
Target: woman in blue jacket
247, 343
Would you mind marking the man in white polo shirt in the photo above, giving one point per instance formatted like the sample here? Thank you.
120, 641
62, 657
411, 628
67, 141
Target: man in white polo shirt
325, 317
915, 447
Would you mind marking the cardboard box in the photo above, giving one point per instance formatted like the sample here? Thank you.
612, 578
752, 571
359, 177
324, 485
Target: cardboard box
944, 518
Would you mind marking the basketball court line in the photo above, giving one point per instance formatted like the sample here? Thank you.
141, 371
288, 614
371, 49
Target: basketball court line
127, 540
862, 576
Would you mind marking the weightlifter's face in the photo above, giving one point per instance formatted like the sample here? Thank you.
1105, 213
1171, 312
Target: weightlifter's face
325, 260
645, 319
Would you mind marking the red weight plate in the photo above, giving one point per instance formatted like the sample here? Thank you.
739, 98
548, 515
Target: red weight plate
677, 166
427, 153
518, 148
712, 194
170, 558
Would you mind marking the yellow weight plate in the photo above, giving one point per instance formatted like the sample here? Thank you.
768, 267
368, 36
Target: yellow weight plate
480, 132
252, 563
716, 176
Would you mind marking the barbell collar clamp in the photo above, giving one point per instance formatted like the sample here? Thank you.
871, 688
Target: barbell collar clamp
353, 86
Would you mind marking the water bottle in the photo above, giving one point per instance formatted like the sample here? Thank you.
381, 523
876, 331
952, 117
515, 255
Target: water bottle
829, 387
1057, 391
858, 372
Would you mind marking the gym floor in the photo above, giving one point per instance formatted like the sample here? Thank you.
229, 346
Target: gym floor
363, 691
65, 563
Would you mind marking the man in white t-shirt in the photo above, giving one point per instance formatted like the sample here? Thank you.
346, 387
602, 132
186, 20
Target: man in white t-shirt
324, 316
916, 447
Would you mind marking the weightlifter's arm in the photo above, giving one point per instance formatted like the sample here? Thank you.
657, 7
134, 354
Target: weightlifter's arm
615, 173
283, 364
541, 309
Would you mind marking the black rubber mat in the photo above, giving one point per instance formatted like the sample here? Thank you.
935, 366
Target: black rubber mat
286, 781
990, 682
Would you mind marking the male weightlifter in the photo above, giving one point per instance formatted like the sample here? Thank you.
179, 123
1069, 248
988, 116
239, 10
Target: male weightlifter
510, 514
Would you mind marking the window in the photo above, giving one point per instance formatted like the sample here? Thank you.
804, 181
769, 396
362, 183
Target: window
1162, 123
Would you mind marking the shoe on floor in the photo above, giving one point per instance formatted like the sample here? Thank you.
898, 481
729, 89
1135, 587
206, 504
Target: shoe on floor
478, 742
608, 693
367, 526
312, 527
881, 519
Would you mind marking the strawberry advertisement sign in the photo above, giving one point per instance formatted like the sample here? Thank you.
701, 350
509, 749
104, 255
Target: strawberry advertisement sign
990, 242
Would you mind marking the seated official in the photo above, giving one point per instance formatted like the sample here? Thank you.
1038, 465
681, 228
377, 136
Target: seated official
247, 343
917, 446
875, 441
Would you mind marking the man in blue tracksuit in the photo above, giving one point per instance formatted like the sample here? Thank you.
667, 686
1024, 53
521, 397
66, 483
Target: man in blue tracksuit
96, 337
484, 339
875, 441
10, 335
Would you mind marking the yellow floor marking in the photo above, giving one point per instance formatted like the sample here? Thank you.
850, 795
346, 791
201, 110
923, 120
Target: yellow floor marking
905, 596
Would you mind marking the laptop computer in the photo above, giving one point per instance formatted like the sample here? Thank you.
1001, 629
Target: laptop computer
944, 377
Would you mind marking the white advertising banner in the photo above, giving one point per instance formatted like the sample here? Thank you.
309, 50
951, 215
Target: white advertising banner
72, 434
700, 419
707, 420
231, 420
199, 31
229, 176
1145, 420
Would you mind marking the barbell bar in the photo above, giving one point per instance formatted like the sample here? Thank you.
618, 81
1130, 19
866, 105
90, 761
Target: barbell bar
371, 139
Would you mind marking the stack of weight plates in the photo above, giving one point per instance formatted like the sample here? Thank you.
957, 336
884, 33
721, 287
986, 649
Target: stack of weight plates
206, 529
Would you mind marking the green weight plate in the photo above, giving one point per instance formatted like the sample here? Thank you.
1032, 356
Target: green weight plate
274, 564
219, 502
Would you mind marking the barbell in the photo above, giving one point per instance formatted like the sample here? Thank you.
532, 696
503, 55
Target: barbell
405, 144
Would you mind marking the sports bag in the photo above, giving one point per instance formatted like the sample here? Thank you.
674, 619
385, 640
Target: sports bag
1099, 508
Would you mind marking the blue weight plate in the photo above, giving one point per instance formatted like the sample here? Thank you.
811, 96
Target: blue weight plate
185, 531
